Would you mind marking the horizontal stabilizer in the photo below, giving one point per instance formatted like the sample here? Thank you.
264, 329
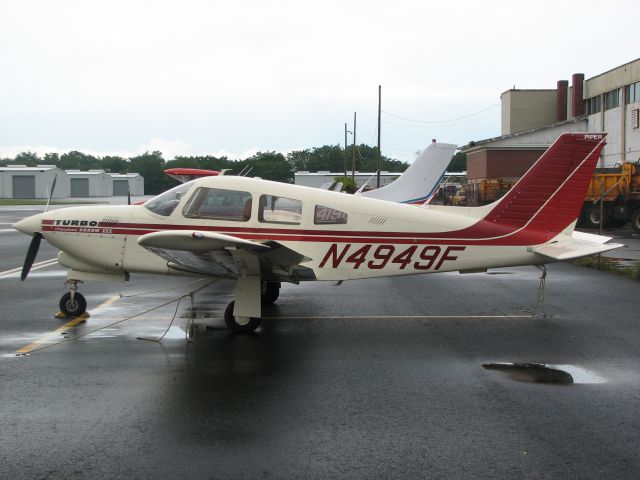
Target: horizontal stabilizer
590, 237
576, 246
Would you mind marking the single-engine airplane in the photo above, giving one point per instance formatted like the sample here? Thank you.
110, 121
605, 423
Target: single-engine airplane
263, 233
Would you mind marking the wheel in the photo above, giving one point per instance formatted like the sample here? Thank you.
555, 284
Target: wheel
75, 307
635, 220
592, 216
240, 324
270, 292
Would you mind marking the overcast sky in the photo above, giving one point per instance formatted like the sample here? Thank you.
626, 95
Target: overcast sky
235, 77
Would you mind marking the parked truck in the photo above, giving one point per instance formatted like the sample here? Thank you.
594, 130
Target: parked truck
486, 190
619, 190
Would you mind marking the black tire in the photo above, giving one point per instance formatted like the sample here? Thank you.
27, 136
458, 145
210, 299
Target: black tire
75, 307
592, 216
635, 220
270, 292
234, 326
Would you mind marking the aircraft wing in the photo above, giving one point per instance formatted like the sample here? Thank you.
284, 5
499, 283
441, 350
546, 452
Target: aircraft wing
576, 245
217, 254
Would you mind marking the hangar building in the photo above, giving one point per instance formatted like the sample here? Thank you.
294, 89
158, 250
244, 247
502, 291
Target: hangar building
123, 183
92, 183
20, 181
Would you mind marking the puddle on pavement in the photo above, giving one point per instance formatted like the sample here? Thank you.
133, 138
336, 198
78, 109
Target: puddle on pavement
546, 373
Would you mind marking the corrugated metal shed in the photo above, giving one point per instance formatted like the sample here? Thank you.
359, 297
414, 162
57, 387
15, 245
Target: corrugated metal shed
134, 182
92, 183
20, 181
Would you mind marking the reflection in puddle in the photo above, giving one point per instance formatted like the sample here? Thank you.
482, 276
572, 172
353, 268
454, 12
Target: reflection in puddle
546, 373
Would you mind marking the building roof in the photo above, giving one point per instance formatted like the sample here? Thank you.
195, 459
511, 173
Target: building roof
22, 168
479, 143
124, 175
84, 172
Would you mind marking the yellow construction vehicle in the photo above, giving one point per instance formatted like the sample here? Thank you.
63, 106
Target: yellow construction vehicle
487, 190
613, 193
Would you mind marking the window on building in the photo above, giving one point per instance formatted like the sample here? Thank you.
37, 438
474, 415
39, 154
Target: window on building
593, 105
275, 209
633, 92
328, 216
612, 99
219, 204
635, 118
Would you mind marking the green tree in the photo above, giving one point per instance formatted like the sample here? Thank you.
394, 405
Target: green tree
458, 163
348, 185
51, 159
30, 159
115, 164
75, 160
151, 166
270, 166
331, 158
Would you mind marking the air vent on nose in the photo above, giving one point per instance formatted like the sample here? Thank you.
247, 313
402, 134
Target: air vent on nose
109, 220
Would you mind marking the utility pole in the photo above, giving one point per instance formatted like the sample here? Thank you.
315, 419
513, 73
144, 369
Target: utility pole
345, 150
353, 151
378, 157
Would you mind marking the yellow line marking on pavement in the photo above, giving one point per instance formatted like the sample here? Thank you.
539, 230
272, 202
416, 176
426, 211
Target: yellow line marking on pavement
71, 323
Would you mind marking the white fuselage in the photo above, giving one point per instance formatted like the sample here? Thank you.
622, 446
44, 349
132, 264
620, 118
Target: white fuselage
378, 239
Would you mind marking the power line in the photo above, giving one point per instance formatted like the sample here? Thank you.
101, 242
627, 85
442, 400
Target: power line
441, 121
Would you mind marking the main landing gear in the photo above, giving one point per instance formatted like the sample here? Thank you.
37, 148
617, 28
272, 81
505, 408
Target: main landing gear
244, 314
240, 324
73, 304
269, 292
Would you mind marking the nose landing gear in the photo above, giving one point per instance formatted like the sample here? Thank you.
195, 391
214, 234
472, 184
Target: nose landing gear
73, 303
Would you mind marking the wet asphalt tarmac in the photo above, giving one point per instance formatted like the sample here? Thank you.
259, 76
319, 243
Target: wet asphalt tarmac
371, 379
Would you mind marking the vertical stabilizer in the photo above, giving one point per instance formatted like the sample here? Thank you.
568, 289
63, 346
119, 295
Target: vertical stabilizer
421, 179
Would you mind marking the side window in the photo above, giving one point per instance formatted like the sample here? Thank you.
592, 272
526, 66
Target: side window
275, 209
328, 216
219, 204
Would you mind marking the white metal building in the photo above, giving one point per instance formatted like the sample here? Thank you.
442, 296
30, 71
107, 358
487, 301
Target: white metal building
20, 181
318, 179
124, 183
92, 183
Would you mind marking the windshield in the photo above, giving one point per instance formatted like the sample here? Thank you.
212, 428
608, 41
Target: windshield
165, 203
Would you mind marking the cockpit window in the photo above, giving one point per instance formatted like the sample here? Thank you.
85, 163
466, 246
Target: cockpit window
219, 204
275, 209
165, 203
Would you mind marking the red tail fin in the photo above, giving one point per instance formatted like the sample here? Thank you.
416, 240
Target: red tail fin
550, 195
